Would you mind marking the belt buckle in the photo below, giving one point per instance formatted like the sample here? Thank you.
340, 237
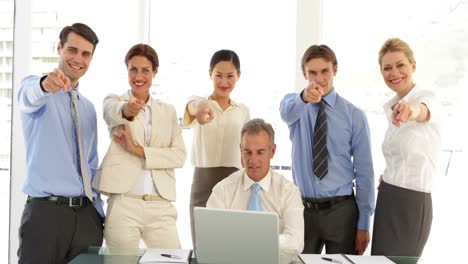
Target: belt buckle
70, 202
146, 197
312, 205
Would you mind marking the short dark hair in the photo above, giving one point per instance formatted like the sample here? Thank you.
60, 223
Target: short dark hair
318, 51
256, 125
225, 55
143, 50
80, 29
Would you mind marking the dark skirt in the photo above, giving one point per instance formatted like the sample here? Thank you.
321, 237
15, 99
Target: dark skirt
402, 221
204, 179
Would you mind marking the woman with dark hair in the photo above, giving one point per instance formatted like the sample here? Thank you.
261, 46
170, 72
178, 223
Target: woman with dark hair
137, 172
217, 122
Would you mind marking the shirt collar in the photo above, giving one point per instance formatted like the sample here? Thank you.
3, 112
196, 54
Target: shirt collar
148, 103
78, 95
264, 183
231, 102
410, 95
407, 98
330, 98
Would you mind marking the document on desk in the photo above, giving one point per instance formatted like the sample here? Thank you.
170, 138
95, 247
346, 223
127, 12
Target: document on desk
343, 259
160, 256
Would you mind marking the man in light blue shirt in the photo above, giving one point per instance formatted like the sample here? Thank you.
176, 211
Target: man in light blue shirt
59, 220
334, 217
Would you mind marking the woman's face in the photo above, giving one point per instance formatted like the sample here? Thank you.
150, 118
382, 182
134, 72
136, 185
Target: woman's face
140, 76
397, 72
224, 77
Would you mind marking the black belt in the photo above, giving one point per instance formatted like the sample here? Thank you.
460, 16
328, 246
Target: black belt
324, 203
69, 201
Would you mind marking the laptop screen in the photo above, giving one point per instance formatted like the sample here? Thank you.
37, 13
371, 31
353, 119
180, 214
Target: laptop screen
234, 236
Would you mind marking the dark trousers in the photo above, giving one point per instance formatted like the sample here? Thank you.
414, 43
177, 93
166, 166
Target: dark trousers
402, 221
54, 233
204, 179
332, 225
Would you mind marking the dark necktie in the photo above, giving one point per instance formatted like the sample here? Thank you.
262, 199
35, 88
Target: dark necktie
320, 151
82, 162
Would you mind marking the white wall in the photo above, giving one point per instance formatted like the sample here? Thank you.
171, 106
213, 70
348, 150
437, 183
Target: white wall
21, 66
308, 32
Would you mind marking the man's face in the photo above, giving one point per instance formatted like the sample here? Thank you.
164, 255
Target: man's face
321, 72
256, 154
75, 57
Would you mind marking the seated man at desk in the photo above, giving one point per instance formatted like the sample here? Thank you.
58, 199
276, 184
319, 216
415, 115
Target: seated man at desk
257, 187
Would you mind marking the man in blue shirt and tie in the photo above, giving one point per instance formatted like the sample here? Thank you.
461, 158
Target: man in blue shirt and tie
62, 215
330, 151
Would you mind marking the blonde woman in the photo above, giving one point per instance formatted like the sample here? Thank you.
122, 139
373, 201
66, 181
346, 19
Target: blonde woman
411, 148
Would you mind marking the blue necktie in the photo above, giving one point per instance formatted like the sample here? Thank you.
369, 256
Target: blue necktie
255, 204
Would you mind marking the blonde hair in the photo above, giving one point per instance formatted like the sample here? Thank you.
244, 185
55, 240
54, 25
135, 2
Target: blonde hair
396, 45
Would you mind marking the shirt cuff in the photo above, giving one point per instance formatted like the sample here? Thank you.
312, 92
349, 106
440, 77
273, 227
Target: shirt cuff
40, 83
363, 222
37, 93
299, 100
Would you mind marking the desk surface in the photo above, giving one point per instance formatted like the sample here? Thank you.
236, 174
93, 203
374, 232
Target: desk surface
96, 255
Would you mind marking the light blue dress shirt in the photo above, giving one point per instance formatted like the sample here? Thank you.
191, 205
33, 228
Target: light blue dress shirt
349, 151
52, 167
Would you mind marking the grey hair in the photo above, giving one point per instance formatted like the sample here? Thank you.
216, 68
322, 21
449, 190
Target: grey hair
256, 125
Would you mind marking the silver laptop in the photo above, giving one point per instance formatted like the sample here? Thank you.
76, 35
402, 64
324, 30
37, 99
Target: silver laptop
232, 236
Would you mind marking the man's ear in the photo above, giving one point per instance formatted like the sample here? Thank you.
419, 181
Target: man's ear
242, 160
59, 48
273, 151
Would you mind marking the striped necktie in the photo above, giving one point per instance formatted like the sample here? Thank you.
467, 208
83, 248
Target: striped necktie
255, 204
320, 151
81, 160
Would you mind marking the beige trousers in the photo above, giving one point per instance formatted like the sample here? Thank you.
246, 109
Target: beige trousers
130, 220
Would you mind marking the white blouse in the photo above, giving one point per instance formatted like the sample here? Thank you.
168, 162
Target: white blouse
217, 144
144, 183
412, 150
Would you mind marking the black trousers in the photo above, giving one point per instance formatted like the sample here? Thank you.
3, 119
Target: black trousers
402, 221
54, 233
333, 227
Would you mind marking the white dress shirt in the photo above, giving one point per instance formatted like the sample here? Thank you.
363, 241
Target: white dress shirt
217, 144
412, 150
277, 194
